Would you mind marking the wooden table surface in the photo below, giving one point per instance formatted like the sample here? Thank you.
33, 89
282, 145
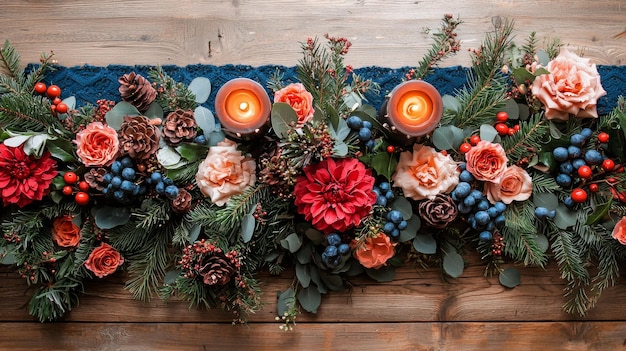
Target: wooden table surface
418, 311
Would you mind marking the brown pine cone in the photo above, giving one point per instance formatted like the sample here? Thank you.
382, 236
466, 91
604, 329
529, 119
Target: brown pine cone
216, 269
179, 126
137, 90
138, 137
95, 178
182, 202
438, 212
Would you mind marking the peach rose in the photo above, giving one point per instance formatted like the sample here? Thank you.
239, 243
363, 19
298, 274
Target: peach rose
572, 87
425, 173
104, 260
97, 145
225, 172
64, 232
619, 231
515, 185
375, 251
486, 161
299, 99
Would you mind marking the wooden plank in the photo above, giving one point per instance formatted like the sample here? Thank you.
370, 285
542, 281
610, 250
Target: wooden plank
312, 336
415, 296
257, 32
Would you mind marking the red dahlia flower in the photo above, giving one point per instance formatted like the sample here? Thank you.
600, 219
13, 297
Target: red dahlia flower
335, 195
24, 179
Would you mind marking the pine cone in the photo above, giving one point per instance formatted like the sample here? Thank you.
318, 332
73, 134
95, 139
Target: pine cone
216, 269
139, 139
438, 212
137, 90
180, 125
95, 178
182, 203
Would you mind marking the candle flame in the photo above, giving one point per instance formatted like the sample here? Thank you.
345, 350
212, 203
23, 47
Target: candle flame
244, 106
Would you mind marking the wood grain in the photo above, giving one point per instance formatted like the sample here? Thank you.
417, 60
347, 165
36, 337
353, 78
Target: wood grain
258, 32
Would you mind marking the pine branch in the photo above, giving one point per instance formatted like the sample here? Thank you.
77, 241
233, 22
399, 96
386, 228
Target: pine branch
27, 113
171, 94
51, 302
444, 45
10, 61
479, 103
532, 135
543, 183
568, 256
520, 235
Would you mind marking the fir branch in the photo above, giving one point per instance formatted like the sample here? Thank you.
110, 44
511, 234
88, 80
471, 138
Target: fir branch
26, 112
479, 103
10, 61
530, 47
532, 135
567, 255
444, 45
51, 302
520, 235
543, 183
170, 93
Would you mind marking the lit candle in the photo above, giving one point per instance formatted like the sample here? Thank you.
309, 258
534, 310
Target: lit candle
414, 108
243, 108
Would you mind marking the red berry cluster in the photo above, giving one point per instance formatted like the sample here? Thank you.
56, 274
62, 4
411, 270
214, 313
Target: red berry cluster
501, 127
54, 93
75, 186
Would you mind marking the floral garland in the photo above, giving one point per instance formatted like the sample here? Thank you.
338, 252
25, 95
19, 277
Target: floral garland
518, 166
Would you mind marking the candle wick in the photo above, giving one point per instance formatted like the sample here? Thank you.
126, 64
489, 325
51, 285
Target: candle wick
243, 106
413, 108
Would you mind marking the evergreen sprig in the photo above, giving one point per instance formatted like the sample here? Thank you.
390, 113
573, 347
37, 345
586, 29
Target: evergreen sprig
26, 112
444, 45
170, 93
533, 134
520, 235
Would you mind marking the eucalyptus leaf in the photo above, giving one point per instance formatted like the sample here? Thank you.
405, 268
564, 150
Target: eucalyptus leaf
453, 264
192, 152
115, 116
565, 217
108, 217
286, 300
554, 131
547, 200
404, 206
304, 254
512, 109
8, 259
382, 274
283, 118
314, 235
201, 87
204, 119
343, 130
16, 141
155, 111
194, 233
542, 57
310, 299
509, 277
524, 111
168, 157
333, 281
488, 132
292, 242
215, 137
448, 137
303, 275
70, 102
247, 227
413, 225
542, 242
316, 278
340, 149
171, 276
425, 243
35, 145
451, 103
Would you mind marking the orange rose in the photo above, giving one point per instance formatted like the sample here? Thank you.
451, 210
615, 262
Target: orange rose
97, 145
619, 231
299, 99
225, 172
64, 232
515, 185
104, 260
572, 87
375, 251
425, 173
486, 161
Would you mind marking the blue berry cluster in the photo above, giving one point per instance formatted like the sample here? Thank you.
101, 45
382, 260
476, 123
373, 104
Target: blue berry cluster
384, 194
163, 185
200, 139
571, 158
364, 130
542, 212
480, 213
394, 224
332, 255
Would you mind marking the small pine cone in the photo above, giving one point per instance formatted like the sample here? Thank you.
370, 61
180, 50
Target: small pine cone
179, 126
182, 202
95, 178
138, 137
216, 269
137, 90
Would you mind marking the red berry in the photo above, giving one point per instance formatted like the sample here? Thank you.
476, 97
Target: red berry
83, 185
608, 165
67, 190
391, 149
465, 147
516, 127
593, 187
61, 107
579, 195
512, 131
56, 101
40, 88
603, 137
475, 139
53, 91
81, 198
502, 129
502, 116
70, 178
584, 171
53, 108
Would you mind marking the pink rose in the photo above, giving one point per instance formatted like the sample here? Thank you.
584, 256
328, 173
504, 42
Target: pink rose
572, 87
425, 173
299, 99
97, 145
619, 231
515, 185
225, 172
486, 161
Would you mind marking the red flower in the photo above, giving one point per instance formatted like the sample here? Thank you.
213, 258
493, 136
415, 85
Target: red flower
24, 179
335, 195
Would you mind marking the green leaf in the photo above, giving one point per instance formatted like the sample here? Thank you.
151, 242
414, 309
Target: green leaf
310, 299
451, 103
332, 281
542, 242
555, 132
512, 108
115, 117
61, 149
304, 254
384, 164
192, 152
509, 277
342, 131
404, 206
382, 274
547, 200
565, 217
303, 275
155, 111
413, 225
600, 212
524, 112
521, 75
247, 227
168, 157
488, 132
201, 88
35, 145
285, 302
340, 149
453, 264
425, 243
292, 242
283, 117
108, 217
204, 119
543, 58
194, 233
171, 276
448, 137
315, 236
215, 137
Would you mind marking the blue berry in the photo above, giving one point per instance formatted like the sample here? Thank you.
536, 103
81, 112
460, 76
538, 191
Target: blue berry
389, 227
171, 191
541, 212
569, 202
466, 176
586, 133
490, 226
500, 207
384, 186
365, 134
168, 181
394, 216
493, 212
354, 122
136, 189
331, 251
116, 182
578, 162
464, 209
343, 249
574, 151
119, 195
395, 233
127, 162
577, 139
200, 139
566, 167
552, 214
563, 180
469, 201
128, 173
500, 220
476, 194
107, 178
127, 186
482, 217
160, 188
376, 190
483, 205
485, 235
156, 177
116, 167
560, 154
462, 190
390, 195
333, 239
402, 225
370, 144
367, 124
381, 201
462, 166
593, 157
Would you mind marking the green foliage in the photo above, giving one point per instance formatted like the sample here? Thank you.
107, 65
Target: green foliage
444, 45
533, 134
520, 234
173, 94
26, 112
